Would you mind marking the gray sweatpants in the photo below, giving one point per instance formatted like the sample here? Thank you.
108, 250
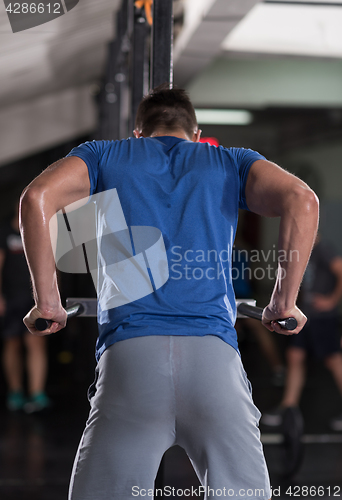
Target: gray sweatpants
154, 392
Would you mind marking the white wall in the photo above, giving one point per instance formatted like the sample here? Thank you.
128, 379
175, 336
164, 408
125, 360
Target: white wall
45, 122
273, 81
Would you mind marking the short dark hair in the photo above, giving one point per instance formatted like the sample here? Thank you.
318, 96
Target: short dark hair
165, 108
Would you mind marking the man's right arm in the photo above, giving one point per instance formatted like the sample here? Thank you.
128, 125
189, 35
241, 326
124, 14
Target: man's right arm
61, 184
273, 192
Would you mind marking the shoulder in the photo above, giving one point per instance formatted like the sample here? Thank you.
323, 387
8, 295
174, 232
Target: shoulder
241, 154
92, 146
241, 158
97, 147
98, 153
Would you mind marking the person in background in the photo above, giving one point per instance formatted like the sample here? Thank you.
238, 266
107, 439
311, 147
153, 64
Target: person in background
320, 295
15, 299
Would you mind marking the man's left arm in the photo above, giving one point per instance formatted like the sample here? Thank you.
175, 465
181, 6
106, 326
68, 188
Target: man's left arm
61, 184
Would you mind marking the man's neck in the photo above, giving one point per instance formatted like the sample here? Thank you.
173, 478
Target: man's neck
177, 133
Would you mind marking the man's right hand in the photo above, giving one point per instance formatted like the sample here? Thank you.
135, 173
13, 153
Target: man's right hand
57, 316
270, 317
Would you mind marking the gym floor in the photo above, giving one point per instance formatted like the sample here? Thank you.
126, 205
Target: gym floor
37, 451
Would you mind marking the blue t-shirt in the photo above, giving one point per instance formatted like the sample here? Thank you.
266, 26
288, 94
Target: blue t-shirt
191, 193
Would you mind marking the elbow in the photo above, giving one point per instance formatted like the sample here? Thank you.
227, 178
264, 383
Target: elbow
30, 199
305, 202
310, 201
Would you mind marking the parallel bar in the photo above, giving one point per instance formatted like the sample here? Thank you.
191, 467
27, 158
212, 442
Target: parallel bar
42, 324
162, 42
250, 311
274, 439
249, 302
89, 305
256, 313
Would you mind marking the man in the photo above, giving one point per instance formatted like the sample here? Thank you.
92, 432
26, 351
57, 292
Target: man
168, 369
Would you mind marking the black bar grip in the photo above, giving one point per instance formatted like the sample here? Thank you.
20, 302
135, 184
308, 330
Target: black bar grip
256, 313
42, 324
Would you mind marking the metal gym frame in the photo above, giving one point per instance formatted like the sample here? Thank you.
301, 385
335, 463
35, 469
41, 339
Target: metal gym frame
139, 58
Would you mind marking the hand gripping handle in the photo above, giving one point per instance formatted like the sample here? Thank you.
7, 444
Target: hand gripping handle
42, 324
256, 312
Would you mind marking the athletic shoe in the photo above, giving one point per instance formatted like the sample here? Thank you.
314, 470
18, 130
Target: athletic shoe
37, 402
336, 423
273, 418
16, 401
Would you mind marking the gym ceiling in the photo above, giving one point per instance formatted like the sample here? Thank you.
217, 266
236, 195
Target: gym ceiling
240, 54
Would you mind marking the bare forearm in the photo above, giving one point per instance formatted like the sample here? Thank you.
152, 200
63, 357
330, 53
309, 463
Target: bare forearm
35, 216
297, 233
273, 192
61, 184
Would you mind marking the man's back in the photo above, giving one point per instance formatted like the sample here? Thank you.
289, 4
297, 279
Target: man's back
191, 193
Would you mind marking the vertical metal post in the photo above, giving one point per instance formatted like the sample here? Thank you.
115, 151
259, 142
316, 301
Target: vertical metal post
122, 92
139, 62
108, 99
114, 101
162, 43
121, 69
112, 95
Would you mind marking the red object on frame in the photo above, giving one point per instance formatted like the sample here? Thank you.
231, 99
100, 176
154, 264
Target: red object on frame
211, 140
